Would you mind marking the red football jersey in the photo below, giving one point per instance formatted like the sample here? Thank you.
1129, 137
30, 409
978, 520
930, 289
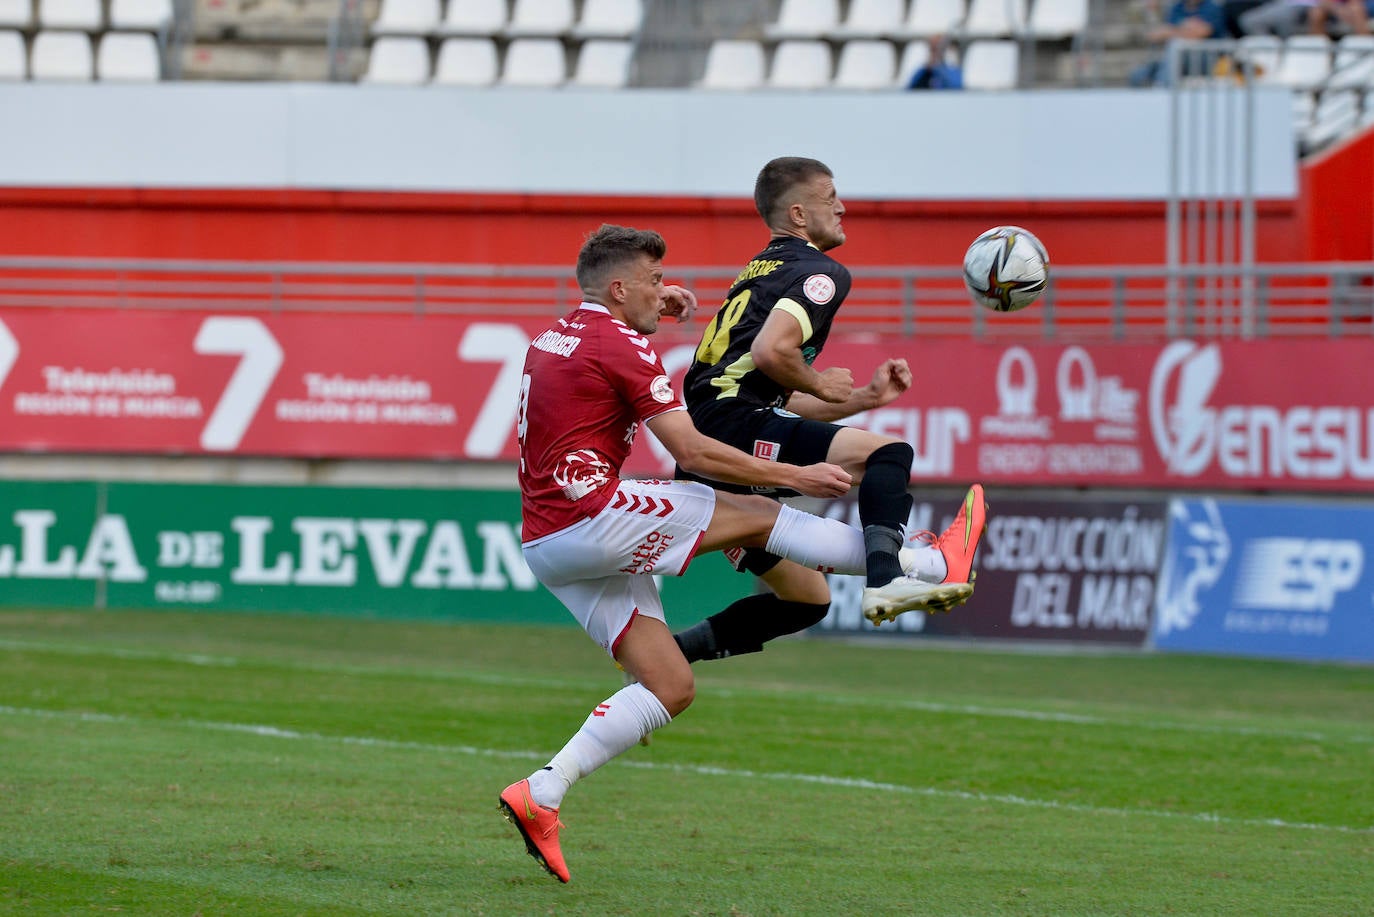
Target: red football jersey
589, 382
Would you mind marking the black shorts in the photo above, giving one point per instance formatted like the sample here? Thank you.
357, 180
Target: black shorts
766, 433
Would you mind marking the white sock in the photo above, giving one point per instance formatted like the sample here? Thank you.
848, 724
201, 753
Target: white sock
927, 563
616, 726
821, 544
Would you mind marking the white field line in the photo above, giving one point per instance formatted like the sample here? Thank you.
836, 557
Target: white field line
852, 783
790, 695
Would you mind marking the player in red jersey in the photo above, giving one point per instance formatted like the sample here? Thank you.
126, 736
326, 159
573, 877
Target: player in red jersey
594, 539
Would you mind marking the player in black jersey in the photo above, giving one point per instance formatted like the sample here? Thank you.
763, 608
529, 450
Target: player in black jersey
752, 384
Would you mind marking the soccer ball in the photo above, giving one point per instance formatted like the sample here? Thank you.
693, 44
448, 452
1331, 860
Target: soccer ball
1006, 268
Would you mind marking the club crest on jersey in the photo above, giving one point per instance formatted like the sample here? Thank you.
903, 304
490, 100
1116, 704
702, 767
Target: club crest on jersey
819, 288
580, 473
662, 389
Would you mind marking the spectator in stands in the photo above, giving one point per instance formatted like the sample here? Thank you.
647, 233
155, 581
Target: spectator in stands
1187, 20
1277, 17
937, 72
1340, 17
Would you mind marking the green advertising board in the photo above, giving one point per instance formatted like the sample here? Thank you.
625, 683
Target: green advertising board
385, 552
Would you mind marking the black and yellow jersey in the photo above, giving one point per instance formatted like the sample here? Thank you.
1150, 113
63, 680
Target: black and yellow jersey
789, 274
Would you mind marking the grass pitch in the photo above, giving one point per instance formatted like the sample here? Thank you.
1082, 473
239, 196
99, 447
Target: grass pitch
170, 763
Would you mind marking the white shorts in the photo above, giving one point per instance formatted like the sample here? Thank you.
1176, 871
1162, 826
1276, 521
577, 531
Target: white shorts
600, 568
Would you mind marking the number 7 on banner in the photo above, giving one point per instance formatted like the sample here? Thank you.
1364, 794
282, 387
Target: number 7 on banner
262, 357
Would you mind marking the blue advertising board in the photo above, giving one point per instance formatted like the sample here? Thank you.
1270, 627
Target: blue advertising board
1267, 579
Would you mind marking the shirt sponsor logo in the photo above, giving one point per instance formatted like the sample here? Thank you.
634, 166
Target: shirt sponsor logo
581, 473
646, 555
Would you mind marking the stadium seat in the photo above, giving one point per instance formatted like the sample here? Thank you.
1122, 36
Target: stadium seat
473, 17
1306, 61
915, 53
603, 63
14, 59
535, 62
994, 18
991, 64
609, 19
83, 15
406, 17
865, 63
800, 63
128, 57
871, 19
466, 61
933, 17
1263, 53
804, 19
540, 18
398, 61
1058, 19
147, 15
1353, 67
733, 63
1337, 113
16, 14
62, 56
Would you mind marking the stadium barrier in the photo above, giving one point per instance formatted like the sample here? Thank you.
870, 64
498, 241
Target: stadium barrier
444, 554
1121, 302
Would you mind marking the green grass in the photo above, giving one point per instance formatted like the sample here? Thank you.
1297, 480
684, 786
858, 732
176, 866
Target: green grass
217, 764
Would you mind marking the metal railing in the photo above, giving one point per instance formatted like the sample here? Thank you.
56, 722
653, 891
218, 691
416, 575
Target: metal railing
1081, 302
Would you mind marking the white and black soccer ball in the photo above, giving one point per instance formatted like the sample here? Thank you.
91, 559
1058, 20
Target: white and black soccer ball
1006, 268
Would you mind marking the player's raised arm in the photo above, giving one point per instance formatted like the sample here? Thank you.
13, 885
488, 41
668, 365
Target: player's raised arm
711, 458
777, 352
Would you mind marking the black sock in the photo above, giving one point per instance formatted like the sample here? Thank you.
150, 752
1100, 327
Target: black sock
884, 507
746, 625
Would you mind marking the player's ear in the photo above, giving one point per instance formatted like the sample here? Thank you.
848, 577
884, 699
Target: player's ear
617, 290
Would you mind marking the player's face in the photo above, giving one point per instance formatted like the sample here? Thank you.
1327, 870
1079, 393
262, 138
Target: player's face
823, 211
644, 295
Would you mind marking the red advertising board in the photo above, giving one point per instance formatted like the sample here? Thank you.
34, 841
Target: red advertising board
1282, 414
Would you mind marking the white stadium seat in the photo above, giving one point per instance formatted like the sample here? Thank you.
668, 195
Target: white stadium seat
149, 15
603, 63
1353, 67
1264, 53
934, 17
991, 64
128, 57
1306, 61
473, 17
62, 56
540, 18
609, 19
871, 19
14, 59
800, 63
398, 61
865, 63
535, 62
914, 56
84, 15
466, 61
995, 18
1058, 19
733, 63
406, 17
16, 14
804, 19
